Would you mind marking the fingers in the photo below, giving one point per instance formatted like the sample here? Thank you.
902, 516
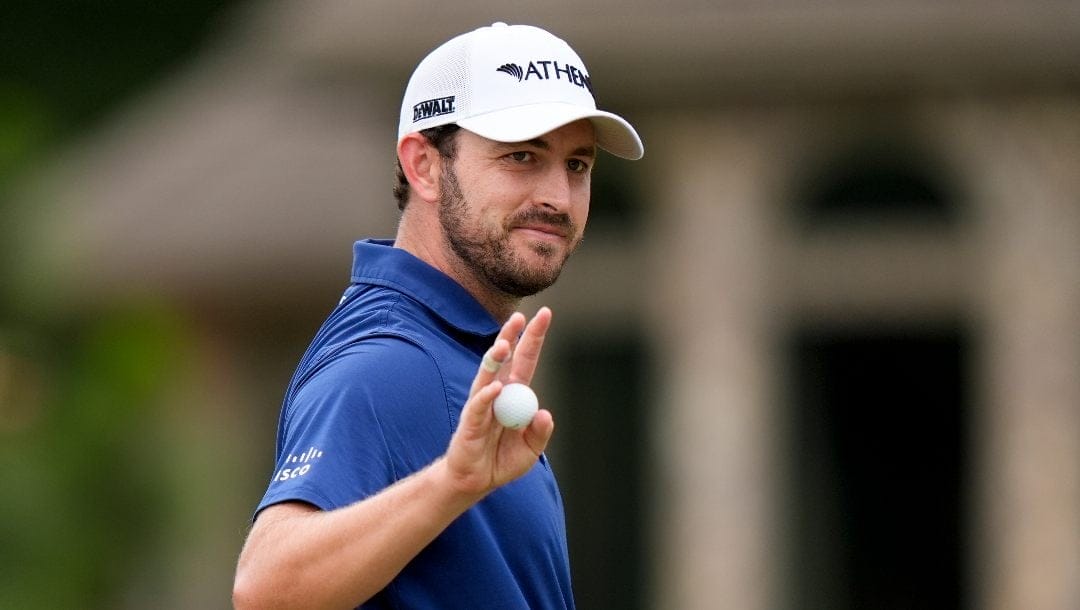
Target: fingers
490, 363
527, 352
517, 343
477, 413
493, 360
499, 352
511, 330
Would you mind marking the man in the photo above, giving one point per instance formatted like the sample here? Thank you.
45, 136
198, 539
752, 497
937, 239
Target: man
395, 486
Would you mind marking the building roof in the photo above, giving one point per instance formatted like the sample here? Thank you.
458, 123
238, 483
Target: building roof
272, 151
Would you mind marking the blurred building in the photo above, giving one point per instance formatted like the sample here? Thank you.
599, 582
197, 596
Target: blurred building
820, 349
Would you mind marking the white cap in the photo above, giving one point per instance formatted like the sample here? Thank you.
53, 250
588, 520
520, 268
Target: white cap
509, 83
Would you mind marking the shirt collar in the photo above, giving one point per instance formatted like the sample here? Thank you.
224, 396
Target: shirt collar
376, 261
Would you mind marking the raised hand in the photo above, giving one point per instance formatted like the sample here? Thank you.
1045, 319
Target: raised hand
483, 454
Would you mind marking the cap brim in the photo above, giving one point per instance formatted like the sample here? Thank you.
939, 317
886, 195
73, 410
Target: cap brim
522, 123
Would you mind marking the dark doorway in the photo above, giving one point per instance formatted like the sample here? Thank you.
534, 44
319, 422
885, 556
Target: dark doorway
602, 395
878, 469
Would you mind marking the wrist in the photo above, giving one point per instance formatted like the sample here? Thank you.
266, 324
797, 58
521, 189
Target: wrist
451, 489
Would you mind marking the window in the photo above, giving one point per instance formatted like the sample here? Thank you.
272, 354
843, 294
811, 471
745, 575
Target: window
875, 181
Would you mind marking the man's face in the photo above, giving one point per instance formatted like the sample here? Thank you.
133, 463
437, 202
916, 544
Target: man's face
513, 213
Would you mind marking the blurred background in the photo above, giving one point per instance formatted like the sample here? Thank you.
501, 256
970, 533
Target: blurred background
820, 349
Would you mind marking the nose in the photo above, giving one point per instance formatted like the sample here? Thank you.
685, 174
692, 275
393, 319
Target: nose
554, 191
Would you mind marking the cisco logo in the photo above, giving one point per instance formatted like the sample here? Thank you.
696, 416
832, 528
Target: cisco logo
298, 465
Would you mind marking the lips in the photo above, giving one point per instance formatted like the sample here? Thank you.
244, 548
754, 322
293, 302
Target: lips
543, 231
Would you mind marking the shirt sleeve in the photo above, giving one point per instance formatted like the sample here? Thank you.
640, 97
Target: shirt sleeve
366, 417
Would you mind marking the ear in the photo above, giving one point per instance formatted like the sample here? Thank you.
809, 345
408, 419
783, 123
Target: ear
421, 163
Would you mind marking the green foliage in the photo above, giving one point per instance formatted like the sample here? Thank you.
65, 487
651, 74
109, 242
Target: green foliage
81, 499
84, 56
26, 124
82, 392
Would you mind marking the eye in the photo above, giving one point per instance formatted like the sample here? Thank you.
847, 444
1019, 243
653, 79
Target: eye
577, 166
521, 156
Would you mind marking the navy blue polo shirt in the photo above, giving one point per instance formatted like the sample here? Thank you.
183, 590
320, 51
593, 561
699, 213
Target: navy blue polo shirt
376, 397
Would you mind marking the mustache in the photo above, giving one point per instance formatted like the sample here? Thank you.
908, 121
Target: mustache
542, 216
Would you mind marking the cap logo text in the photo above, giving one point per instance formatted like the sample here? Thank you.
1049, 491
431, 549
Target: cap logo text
547, 69
435, 107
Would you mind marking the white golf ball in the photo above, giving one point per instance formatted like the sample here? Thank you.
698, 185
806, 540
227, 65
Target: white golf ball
515, 405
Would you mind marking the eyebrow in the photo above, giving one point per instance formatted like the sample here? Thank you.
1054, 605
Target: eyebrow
584, 151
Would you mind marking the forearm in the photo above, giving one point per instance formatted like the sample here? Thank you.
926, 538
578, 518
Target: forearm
339, 558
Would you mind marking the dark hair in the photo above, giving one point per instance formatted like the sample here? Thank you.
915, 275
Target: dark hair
442, 137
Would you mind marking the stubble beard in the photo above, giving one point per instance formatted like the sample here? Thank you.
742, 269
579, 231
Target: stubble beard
488, 253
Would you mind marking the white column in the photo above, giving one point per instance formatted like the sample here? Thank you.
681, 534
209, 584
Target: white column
1024, 162
710, 258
